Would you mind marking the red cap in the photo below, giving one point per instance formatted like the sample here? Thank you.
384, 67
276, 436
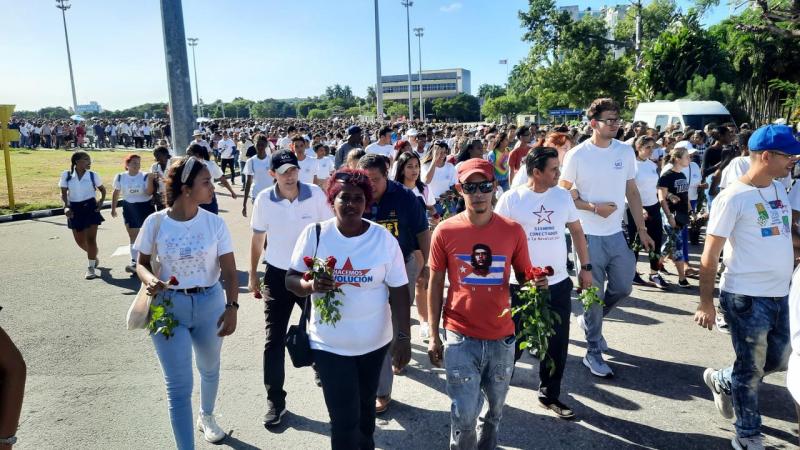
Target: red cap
473, 166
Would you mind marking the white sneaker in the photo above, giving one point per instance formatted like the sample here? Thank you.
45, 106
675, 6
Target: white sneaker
748, 443
424, 332
90, 274
721, 399
208, 426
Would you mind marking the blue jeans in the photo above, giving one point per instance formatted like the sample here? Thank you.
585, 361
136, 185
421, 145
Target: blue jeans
476, 368
197, 316
241, 171
761, 340
612, 262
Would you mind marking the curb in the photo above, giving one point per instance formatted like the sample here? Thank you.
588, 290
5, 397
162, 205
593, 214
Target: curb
39, 214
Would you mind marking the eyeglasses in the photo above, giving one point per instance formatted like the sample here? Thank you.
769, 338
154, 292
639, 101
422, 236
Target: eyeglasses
610, 122
484, 186
785, 155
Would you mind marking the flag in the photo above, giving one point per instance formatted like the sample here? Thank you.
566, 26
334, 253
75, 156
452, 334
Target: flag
503, 61
494, 278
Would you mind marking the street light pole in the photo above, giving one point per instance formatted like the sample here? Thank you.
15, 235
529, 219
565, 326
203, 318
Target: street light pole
193, 44
181, 116
379, 83
64, 6
408, 4
418, 33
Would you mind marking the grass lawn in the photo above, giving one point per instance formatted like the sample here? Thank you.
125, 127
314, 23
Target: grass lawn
35, 174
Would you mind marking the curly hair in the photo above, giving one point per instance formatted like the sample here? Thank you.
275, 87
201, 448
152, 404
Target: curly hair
601, 105
353, 177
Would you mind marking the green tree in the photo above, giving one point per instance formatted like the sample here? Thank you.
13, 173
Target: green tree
699, 88
657, 17
462, 107
317, 114
502, 107
54, 112
395, 109
487, 91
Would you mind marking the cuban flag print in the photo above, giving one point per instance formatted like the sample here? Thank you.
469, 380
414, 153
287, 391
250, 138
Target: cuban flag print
478, 273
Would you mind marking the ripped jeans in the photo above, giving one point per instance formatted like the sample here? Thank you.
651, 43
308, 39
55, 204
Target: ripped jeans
476, 368
761, 340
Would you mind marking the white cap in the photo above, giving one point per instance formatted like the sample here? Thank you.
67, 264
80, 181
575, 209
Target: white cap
687, 145
412, 132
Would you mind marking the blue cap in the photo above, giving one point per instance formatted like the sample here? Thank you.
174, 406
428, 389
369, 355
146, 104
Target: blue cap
774, 137
354, 129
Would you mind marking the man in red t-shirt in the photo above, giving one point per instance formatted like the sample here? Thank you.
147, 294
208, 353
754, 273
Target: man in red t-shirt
524, 134
477, 250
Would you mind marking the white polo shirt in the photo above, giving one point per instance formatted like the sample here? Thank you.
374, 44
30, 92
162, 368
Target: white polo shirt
79, 190
283, 221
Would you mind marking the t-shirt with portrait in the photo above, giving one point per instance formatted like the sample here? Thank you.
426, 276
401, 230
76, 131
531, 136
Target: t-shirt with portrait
187, 250
366, 266
479, 261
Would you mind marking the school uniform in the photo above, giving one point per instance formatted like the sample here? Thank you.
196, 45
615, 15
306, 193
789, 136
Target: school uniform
81, 197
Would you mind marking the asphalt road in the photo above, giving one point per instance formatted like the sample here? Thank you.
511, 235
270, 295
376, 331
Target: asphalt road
94, 385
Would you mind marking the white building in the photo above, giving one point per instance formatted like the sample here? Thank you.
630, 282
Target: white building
435, 84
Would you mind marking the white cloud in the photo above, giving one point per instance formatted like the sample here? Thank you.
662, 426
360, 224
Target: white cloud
452, 7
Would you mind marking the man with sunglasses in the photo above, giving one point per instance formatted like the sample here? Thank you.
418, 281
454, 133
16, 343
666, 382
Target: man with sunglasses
602, 173
752, 220
478, 353
399, 211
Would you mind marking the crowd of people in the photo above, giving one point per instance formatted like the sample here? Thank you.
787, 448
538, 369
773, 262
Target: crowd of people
450, 217
93, 134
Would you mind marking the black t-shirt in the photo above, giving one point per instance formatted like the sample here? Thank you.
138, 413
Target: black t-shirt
402, 214
677, 184
251, 151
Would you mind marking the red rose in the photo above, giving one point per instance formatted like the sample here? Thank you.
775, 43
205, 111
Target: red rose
535, 273
257, 294
173, 281
307, 276
309, 261
330, 262
549, 271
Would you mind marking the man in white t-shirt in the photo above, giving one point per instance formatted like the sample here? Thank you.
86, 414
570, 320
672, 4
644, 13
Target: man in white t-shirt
544, 210
384, 145
226, 149
256, 170
280, 214
751, 219
324, 164
308, 164
603, 172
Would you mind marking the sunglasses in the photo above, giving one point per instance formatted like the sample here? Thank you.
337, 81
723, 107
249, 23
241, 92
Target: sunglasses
484, 186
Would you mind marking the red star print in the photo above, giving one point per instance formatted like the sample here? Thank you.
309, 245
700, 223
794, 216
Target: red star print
348, 271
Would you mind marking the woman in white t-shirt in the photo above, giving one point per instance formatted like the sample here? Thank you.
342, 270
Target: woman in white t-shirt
194, 248
201, 152
370, 271
136, 192
79, 186
439, 175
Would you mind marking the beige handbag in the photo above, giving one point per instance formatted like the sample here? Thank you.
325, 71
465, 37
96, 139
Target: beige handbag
139, 312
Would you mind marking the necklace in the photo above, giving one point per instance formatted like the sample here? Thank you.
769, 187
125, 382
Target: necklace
777, 202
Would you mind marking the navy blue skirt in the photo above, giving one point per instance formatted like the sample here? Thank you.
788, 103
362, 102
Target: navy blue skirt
134, 213
212, 207
84, 215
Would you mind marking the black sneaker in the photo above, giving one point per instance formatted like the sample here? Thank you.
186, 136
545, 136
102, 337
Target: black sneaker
560, 410
684, 283
273, 415
659, 282
637, 280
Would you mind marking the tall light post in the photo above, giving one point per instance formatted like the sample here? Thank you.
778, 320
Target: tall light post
408, 4
418, 33
64, 6
181, 115
193, 44
379, 83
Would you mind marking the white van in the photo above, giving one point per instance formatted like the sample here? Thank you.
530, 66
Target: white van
684, 113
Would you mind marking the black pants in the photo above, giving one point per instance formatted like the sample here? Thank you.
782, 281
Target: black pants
560, 298
277, 311
229, 162
655, 228
350, 385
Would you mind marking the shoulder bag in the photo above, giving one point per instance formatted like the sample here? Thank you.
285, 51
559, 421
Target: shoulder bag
297, 342
139, 311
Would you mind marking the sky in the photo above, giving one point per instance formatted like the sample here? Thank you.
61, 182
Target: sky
254, 49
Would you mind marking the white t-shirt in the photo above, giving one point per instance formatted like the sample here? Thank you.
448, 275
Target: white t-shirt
162, 175
544, 216
600, 175
259, 170
133, 188
758, 253
794, 315
647, 181
520, 176
213, 168
366, 266
794, 197
443, 178
79, 190
385, 150
692, 173
226, 147
188, 250
283, 221
283, 143
308, 169
324, 167
425, 195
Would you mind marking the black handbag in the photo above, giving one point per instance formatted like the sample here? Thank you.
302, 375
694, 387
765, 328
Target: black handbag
297, 343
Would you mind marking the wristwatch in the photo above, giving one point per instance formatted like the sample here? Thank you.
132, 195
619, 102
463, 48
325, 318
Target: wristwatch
586, 267
9, 440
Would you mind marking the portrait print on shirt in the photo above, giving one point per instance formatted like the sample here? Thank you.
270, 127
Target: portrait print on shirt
481, 267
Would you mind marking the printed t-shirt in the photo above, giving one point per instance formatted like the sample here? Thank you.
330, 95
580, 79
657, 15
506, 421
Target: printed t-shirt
544, 216
133, 188
401, 213
758, 253
676, 184
600, 175
259, 170
188, 250
499, 159
478, 261
366, 266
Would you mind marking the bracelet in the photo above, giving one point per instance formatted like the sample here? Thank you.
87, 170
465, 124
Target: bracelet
232, 305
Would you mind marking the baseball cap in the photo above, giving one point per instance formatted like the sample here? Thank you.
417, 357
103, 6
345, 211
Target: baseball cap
283, 161
354, 129
774, 137
687, 145
473, 166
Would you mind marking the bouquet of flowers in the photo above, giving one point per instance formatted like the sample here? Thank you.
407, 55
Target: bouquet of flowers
538, 320
161, 319
328, 304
